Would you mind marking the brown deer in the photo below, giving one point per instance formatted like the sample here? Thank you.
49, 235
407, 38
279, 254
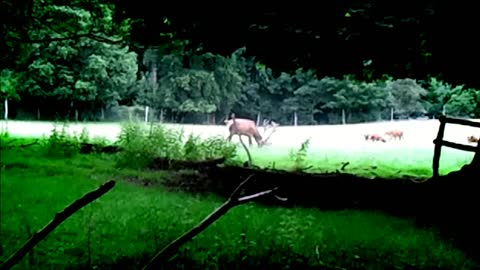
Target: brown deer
473, 139
395, 134
247, 127
374, 137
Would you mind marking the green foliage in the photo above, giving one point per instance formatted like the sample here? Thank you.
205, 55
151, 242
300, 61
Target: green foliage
77, 65
62, 144
299, 157
9, 82
213, 147
463, 103
408, 95
4, 134
141, 146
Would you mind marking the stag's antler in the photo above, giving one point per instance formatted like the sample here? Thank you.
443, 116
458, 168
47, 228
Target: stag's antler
265, 123
272, 125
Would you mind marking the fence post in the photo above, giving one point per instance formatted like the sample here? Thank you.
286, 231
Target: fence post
438, 146
476, 157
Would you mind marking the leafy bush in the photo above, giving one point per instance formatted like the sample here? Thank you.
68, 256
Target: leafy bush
141, 146
299, 156
62, 144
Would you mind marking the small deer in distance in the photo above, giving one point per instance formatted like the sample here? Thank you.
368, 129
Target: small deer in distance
473, 139
395, 134
374, 138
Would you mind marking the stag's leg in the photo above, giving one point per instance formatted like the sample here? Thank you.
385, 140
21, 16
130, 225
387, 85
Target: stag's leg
250, 141
229, 138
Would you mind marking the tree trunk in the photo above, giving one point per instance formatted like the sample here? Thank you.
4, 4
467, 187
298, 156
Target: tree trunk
76, 115
343, 117
444, 110
146, 114
295, 118
102, 112
161, 115
38, 113
259, 115
391, 114
153, 74
6, 109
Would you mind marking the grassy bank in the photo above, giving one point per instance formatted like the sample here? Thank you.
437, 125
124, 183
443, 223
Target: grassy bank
386, 163
128, 224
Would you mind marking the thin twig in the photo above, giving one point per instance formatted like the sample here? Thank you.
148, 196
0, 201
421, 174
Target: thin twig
345, 165
57, 220
255, 196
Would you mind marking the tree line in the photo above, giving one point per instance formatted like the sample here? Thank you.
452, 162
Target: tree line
88, 78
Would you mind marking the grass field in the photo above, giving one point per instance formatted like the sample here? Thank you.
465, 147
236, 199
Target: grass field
126, 226
330, 145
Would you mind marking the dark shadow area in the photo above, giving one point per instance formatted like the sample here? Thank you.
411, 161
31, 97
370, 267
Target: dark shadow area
449, 202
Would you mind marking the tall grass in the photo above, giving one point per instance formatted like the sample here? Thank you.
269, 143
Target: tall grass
140, 146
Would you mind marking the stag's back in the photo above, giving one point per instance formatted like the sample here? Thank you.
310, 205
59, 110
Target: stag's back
243, 126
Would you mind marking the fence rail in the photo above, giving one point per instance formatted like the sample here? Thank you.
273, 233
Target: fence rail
439, 142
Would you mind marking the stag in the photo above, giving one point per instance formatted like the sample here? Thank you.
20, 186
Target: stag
247, 127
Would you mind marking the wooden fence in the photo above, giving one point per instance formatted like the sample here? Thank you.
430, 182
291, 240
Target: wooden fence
439, 142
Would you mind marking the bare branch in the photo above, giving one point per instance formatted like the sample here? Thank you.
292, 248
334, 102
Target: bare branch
345, 165
233, 201
237, 190
280, 198
57, 220
169, 250
252, 197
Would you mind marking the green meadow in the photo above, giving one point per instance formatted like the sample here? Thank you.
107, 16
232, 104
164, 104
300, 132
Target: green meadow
128, 225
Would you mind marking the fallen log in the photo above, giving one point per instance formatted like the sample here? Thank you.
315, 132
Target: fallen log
87, 148
166, 163
10, 145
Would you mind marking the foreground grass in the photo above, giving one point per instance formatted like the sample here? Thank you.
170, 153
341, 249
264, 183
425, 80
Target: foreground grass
131, 222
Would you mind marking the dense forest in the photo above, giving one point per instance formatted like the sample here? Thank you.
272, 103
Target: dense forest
346, 62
